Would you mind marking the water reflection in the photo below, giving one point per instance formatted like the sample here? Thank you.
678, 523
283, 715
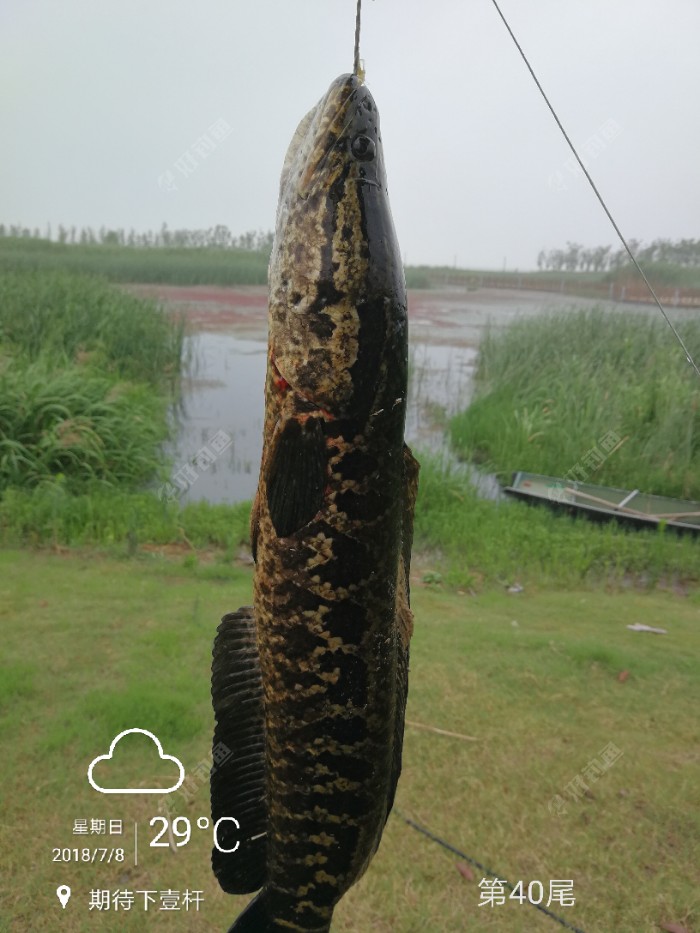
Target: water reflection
440, 385
222, 394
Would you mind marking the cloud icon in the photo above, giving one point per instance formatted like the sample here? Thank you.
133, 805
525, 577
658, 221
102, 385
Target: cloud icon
136, 790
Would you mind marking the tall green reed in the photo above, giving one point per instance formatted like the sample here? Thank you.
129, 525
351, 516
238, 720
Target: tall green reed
86, 374
81, 318
548, 389
76, 423
126, 264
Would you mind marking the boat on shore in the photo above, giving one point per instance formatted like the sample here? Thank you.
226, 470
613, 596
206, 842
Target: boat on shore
604, 503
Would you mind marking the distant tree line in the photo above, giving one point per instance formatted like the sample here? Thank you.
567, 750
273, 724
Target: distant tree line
576, 258
218, 237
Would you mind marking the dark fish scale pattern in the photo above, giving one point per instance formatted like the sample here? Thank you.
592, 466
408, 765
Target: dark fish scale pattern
331, 532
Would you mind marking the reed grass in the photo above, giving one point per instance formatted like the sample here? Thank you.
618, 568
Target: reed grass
77, 424
548, 389
233, 266
80, 318
129, 264
86, 377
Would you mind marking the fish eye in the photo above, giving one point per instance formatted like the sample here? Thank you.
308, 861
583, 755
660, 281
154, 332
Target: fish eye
363, 148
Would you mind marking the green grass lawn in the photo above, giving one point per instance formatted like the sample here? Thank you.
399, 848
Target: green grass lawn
94, 645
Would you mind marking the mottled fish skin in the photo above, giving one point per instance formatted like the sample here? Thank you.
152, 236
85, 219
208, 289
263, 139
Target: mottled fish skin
332, 521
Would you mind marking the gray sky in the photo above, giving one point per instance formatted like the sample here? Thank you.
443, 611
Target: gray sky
103, 97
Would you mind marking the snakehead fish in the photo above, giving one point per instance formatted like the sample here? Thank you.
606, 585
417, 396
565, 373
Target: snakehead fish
309, 686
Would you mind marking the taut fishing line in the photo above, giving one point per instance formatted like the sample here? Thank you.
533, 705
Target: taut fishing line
596, 192
358, 23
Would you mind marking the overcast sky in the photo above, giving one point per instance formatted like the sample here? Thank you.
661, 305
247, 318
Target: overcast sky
105, 104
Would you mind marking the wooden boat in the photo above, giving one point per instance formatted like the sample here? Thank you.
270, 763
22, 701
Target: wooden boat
602, 503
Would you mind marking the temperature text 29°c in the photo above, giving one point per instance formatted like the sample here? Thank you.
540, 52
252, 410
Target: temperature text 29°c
181, 829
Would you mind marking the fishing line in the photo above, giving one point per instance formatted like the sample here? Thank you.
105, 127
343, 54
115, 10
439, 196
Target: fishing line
596, 192
487, 871
356, 66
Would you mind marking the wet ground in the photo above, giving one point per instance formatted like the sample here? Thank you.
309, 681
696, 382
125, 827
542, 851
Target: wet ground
216, 452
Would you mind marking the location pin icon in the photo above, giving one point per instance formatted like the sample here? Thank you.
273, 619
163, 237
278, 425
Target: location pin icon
63, 894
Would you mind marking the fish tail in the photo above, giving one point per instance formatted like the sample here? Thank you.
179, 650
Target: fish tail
259, 917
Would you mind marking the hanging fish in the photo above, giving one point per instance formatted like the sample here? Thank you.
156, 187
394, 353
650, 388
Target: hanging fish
309, 686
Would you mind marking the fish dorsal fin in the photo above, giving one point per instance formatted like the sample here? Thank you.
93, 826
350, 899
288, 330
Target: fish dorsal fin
238, 770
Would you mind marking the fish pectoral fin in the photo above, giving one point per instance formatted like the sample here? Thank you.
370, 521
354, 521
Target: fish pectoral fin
404, 615
404, 630
255, 525
411, 469
296, 475
238, 770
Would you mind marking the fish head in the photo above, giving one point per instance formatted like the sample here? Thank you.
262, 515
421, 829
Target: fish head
337, 141
336, 276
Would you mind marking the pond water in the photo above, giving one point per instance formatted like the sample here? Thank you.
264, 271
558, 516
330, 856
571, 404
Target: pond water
218, 442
